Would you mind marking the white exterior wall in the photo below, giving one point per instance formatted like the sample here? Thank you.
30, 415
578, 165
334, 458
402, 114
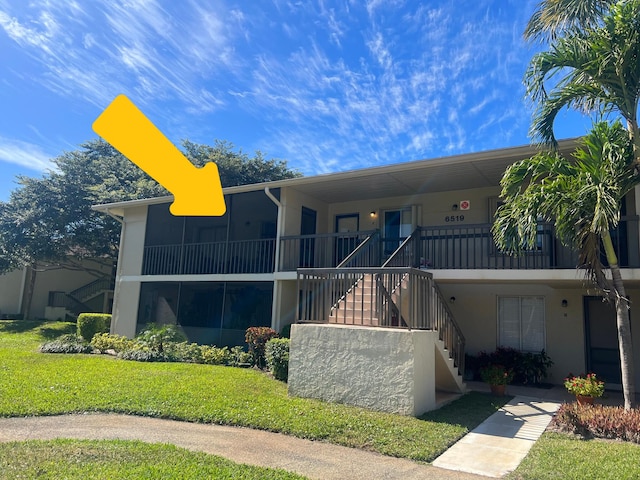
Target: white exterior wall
475, 310
292, 203
48, 279
375, 368
433, 208
63, 280
11, 290
127, 292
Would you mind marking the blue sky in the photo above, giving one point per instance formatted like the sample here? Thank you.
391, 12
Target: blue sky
327, 85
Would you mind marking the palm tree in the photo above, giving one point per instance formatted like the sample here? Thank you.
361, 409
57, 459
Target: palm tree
582, 197
594, 58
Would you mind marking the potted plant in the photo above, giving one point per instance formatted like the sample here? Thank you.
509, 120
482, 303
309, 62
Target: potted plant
497, 376
585, 388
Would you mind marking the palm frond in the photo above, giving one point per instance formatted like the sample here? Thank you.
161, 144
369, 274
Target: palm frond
580, 195
554, 18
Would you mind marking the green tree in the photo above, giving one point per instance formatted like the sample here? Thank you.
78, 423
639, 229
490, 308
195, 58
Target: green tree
582, 197
237, 168
49, 219
592, 64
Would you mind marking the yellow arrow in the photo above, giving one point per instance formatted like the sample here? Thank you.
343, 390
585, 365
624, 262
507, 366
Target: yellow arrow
196, 191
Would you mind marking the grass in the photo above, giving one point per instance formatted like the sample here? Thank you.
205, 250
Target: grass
32, 383
86, 459
560, 456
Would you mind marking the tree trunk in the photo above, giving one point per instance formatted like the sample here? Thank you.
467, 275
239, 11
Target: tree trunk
624, 339
624, 327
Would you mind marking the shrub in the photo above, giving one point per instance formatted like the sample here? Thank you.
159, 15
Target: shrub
66, 344
599, 421
143, 355
528, 368
107, 341
155, 336
277, 355
239, 358
496, 375
212, 355
91, 323
183, 352
257, 338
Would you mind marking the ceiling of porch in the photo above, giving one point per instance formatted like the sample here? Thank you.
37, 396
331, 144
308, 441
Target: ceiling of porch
460, 172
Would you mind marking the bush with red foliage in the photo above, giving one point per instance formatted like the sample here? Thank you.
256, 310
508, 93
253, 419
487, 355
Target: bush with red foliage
257, 338
599, 421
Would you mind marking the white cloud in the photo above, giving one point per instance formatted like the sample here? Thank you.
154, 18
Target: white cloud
24, 154
338, 84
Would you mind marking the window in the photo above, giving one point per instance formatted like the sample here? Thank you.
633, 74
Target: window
521, 323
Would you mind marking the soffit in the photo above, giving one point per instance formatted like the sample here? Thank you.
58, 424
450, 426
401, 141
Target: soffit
460, 172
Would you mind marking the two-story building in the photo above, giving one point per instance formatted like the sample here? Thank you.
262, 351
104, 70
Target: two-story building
298, 250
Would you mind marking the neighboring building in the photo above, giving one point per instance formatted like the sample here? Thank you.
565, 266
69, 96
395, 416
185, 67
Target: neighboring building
216, 276
59, 291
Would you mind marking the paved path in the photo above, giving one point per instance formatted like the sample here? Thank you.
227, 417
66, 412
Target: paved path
315, 460
498, 445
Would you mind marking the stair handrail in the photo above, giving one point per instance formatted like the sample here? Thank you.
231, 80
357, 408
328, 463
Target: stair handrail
400, 251
91, 288
368, 242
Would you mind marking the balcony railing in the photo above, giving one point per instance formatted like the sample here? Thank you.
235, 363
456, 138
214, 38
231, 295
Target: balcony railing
241, 256
472, 247
319, 251
441, 247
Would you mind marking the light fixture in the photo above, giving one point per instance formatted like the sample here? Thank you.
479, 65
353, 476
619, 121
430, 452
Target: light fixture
454, 207
564, 303
452, 300
372, 214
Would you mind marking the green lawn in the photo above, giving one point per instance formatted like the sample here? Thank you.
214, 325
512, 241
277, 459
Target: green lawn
86, 459
558, 456
33, 383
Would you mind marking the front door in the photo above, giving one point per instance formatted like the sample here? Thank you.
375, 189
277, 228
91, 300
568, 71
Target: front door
346, 243
397, 227
603, 355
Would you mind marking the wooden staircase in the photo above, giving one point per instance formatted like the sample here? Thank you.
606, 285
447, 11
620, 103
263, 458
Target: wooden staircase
359, 304
372, 302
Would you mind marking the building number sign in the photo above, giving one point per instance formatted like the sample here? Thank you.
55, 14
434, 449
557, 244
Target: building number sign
462, 205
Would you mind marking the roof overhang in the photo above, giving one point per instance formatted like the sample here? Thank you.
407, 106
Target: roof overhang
459, 172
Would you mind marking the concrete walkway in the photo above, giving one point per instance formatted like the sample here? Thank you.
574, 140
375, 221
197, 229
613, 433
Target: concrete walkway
315, 460
493, 449
498, 445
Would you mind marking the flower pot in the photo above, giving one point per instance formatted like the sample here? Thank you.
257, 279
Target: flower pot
498, 390
584, 400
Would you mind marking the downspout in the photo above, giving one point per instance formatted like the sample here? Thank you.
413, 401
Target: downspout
275, 305
278, 226
120, 220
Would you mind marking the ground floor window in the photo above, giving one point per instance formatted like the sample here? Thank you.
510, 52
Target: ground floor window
521, 323
215, 313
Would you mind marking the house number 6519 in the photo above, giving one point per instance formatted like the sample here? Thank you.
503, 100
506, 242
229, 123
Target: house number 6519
454, 218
